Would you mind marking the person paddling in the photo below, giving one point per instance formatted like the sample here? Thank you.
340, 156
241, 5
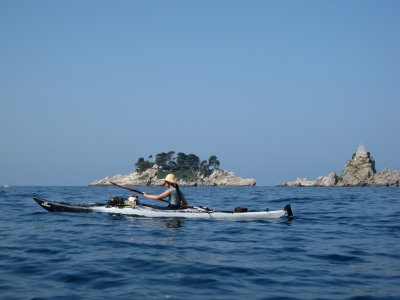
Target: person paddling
176, 198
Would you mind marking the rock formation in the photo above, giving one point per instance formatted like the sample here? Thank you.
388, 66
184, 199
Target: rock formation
299, 182
150, 177
330, 180
385, 178
358, 171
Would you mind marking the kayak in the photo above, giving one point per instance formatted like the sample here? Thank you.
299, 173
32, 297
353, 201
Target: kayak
151, 211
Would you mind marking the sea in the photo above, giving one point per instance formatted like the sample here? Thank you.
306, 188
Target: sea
343, 243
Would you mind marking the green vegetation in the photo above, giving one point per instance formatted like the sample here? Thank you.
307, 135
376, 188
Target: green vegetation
185, 166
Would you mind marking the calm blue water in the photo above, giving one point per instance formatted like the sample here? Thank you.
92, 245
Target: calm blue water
343, 244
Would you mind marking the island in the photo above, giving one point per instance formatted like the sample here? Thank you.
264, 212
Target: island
188, 169
358, 171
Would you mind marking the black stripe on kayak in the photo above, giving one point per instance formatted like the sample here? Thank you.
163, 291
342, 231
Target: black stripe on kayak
60, 206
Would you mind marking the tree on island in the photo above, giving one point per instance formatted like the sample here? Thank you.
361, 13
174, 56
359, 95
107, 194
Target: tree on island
213, 162
185, 166
142, 165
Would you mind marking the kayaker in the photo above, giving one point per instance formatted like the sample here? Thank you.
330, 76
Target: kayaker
175, 197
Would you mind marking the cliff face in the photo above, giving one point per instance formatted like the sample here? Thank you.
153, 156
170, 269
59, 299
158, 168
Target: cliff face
149, 177
358, 171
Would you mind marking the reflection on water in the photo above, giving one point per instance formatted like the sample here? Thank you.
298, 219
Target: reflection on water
161, 223
172, 223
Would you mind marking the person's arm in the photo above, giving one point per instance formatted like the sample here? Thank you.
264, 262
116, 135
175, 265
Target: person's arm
158, 197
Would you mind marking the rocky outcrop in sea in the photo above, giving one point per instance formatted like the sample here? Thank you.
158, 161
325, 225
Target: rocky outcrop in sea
217, 177
358, 171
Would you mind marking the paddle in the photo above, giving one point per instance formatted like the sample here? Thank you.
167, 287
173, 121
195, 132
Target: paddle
127, 188
133, 190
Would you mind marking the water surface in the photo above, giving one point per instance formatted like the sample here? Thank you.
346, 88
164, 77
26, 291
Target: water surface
344, 243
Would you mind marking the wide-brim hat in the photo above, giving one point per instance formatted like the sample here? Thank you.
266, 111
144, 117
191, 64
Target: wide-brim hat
170, 178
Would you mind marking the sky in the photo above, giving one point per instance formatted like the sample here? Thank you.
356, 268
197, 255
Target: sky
274, 89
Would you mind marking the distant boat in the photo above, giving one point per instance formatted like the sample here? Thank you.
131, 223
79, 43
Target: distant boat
6, 186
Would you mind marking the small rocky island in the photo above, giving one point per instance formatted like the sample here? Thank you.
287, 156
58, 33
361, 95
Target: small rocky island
358, 171
188, 168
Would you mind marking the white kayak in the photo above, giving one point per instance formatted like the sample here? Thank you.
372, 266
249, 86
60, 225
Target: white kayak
143, 210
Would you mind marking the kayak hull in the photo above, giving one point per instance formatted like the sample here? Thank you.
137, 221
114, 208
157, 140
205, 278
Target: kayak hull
154, 212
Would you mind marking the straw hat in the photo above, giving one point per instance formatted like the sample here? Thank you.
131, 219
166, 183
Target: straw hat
170, 178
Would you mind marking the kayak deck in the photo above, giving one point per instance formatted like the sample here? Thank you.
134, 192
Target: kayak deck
143, 210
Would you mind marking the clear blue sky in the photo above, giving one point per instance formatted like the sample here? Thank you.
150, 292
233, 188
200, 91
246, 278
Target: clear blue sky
275, 89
